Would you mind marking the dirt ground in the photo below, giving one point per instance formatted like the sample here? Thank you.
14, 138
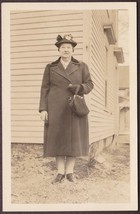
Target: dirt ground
32, 175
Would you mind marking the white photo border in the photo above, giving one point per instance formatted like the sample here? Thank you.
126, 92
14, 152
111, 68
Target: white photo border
6, 120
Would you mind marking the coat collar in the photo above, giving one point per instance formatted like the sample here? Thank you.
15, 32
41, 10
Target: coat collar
73, 60
59, 69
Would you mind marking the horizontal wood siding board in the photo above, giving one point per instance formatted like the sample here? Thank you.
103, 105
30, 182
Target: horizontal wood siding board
37, 13
25, 117
28, 128
33, 100
27, 134
101, 125
100, 121
25, 77
29, 66
46, 25
36, 37
27, 140
25, 123
98, 131
25, 89
26, 112
26, 106
47, 31
45, 19
25, 83
25, 95
21, 72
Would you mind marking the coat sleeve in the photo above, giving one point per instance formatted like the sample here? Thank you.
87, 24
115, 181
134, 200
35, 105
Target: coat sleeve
87, 84
45, 89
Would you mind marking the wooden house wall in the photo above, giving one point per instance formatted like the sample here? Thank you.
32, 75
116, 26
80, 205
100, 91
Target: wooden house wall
103, 115
33, 34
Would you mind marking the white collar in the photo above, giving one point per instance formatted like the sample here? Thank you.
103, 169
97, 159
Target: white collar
65, 64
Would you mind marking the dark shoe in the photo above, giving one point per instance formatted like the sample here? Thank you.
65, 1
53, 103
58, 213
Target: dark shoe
58, 178
70, 177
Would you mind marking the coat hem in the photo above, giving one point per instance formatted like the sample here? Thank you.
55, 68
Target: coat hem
69, 155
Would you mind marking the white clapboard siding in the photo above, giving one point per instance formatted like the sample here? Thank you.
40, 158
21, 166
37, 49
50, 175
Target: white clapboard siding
40, 13
26, 124
44, 19
30, 139
48, 24
25, 100
102, 118
69, 29
25, 89
33, 34
34, 48
37, 37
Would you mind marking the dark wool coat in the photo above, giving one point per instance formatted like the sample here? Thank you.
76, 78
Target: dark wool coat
66, 134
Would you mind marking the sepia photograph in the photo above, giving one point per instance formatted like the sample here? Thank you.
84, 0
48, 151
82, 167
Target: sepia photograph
69, 101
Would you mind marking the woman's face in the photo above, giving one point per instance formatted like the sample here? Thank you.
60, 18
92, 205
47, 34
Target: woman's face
66, 50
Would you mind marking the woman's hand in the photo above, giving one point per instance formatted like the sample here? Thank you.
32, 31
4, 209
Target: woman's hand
74, 88
44, 115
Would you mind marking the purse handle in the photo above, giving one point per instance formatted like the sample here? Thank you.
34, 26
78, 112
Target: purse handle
76, 92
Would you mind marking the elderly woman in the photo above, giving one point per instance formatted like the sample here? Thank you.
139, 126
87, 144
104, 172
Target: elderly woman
65, 133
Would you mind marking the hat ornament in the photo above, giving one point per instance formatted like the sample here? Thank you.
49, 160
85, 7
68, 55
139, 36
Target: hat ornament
68, 37
59, 38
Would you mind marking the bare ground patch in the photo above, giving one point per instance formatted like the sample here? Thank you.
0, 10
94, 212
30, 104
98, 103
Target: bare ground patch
94, 183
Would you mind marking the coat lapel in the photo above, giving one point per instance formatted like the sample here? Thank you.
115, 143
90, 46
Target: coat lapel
72, 67
59, 69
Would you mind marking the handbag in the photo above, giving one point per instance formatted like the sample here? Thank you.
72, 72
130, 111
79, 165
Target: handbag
78, 105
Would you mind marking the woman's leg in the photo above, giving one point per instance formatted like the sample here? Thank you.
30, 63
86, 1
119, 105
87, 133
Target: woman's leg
70, 162
60, 161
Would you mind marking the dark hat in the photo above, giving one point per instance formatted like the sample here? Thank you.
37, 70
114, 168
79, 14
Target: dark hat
66, 39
